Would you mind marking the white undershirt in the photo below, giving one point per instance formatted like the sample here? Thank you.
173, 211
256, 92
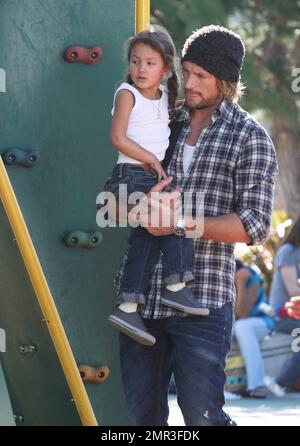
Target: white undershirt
188, 152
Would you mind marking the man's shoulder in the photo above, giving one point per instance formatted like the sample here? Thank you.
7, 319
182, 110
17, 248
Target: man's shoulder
248, 124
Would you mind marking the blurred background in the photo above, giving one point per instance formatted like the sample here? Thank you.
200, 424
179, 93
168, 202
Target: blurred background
270, 30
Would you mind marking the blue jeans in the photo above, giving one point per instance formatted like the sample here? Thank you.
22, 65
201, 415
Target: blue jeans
195, 349
249, 332
178, 252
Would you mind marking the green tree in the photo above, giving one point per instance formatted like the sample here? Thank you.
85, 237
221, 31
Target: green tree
271, 32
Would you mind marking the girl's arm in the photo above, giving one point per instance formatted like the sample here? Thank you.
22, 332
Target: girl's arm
245, 296
123, 106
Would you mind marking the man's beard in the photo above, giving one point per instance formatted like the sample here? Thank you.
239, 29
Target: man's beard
208, 103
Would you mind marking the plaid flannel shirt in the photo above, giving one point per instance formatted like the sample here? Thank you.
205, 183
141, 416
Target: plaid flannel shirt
233, 165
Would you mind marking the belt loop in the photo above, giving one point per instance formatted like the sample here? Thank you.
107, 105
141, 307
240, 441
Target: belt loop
120, 170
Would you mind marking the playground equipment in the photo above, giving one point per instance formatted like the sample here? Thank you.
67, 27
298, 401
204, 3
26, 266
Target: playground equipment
56, 266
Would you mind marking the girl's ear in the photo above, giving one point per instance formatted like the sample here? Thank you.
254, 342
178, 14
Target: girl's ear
168, 70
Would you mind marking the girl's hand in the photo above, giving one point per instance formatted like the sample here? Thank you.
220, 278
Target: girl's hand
157, 167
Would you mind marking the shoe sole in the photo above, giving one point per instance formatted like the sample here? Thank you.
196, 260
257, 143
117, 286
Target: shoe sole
137, 335
189, 310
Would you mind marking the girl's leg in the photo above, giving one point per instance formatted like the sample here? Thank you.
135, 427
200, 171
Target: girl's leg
143, 252
178, 259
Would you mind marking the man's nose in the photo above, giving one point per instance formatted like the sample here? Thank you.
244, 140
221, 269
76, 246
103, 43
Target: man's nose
189, 82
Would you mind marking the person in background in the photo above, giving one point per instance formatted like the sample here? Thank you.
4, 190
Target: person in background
251, 326
284, 286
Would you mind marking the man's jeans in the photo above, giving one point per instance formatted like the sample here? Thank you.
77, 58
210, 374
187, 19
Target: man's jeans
178, 253
195, 349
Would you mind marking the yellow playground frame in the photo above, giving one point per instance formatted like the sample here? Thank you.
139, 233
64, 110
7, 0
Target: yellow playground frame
38, 279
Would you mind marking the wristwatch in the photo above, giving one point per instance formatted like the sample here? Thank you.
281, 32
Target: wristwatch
179, 229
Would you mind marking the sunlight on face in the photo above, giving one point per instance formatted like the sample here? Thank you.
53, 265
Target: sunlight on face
201, 88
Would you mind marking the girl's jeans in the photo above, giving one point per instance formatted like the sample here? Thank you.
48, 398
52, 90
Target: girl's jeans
178, 253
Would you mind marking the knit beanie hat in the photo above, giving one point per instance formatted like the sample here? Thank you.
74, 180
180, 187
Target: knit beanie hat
216, 49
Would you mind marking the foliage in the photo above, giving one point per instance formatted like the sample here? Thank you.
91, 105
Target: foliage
271, 32
262, 256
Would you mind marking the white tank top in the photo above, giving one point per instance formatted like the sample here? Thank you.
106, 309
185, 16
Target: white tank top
188, 152
148, 123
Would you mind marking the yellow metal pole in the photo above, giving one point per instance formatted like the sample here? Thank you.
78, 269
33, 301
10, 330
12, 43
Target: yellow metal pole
142, 15
45, 299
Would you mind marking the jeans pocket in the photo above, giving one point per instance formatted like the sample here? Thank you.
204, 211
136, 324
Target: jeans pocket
145, 176
143, 182
113, 183
107, 185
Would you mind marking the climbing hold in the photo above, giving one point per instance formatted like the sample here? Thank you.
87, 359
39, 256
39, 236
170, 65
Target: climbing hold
20, 157
96, 375
80, 54
81, 239
27, 349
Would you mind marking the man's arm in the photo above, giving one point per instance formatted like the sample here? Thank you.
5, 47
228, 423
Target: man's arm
254, 191
226, 228
254, 185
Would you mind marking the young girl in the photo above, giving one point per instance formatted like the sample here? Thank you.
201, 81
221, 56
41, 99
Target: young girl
140, 133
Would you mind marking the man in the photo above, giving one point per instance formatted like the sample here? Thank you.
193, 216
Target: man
233, 165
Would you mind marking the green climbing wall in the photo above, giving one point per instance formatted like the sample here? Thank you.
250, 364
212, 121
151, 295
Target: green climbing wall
63, 111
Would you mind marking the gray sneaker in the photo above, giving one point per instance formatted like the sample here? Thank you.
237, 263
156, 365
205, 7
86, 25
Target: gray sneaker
132, 325
183, 300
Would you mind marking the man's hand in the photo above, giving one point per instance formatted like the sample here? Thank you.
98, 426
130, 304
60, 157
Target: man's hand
163, 209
